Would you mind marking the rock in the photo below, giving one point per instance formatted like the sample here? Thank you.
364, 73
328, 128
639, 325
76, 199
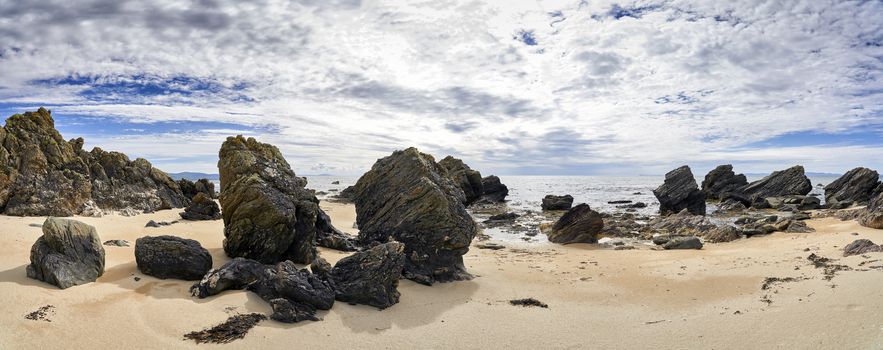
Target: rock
872, 216
119, 183
90, 209
152, 223
190, 189
172, 257
128, 212
494, 191
286, 311
490, 245
791, 181
371, 276
268, 214
329, 236
553, 202
296, 285
861, 246
320, 267
683, 242
202, 207
730, 206
856, 186
580, 224
69, 253
345, 196
723, 234
335, 182
406, 197
680, 191
464, 177
683, 223
510, 216
236, 274
722, 180
117, 243
637, 205
619, 202
797, 226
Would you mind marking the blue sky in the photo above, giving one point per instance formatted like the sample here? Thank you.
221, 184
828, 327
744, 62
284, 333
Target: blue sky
512, 87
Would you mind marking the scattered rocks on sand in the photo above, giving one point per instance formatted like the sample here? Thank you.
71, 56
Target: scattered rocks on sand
791, 181
268, 214
553, 202
117, 243
494, 191
464, 177
528, 302
861, 246
202, 207
406, 197
172, 257
872, 216
371, 276
580, 224
69, 253
722, 180
725, 233
856, 186
41, 314
679, 192
235, 327
329, 236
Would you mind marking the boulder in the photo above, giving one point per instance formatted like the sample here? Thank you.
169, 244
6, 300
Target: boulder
856, 186
68, 253
861, 246
464, 177
722, 180
683, 242
329, 236
202, 207
494, 191
872, 215
682, 223
268, 214
580, 224
799, 226
371, 276
791, 181
679, 192
553, 202
723, 234
235, 274
190, 189
406, 197
172, 257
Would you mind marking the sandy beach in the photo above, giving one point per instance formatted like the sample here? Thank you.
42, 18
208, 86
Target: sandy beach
598, 298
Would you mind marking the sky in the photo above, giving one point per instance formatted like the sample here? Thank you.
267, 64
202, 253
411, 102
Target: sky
586, 87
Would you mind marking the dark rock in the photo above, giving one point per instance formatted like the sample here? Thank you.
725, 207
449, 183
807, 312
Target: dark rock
335, 182
68, 253
202, 207
494, 190
286, 311
346, 196
329, 236
580, 224
371, 276
722, 234
190, 189
296, 285
528, 302
682, 223
861, 246
722, 180
683, 242
730, 206
406, 197
152, 223
679, 192
856, 186
619, 202
800, 216
236, 274
172, 257
637, 205
791, 181
320, 267
797, 226
268, 214
553, 202
118, 183
117, 243
510, 216
872, 216
464, 177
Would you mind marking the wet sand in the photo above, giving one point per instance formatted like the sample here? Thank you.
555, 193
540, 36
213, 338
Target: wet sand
598, 298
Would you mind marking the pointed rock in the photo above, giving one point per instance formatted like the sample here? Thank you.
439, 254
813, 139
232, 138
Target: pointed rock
680, 191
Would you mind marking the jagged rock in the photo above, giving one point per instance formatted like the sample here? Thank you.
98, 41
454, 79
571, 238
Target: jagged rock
791, 181
798, 226
320, 267
494, 190
152, 223
238, 273
683, 242
202, 207
190, 189
90, 209
872, 216
347, 195
371, 276
172, 257
730, 207
723, 234
722, 180
682, 223
856, 186
553, 202
128, 212
501, 218
580, 224
406, 197
861, 246
329, 236
268, 214
117, 243
68, 253
464, 177
680, 191
637, 205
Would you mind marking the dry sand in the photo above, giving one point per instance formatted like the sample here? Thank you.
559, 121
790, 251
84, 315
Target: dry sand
605, 299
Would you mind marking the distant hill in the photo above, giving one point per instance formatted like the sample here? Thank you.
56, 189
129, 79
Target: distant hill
193, 176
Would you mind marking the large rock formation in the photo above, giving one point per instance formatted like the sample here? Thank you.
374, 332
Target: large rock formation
268, 214
202, 207
329, 236
69, 253
172, 257
494, 191
464, 177
407, 197
856, 186
190, 189
872, 216
722, 180
553, 202
371, 276
580, 224
791, 181
680, 191
42, 174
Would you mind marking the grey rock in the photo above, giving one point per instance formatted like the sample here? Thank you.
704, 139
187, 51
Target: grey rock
494, 191
723, 234
202, 207
683, 242
172, 257
553, 202
791, 181
464, 177
722, 180
861, 246
580, 224
69, 253
679, 192
370, 277
856, 186
872, 215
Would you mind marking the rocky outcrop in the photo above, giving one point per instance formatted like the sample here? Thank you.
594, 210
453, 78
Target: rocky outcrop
371, 276
202, 207
725, 233
553, 202
494, 191
856, 186
722, 180
679, 192
861, 246
268, 214
872, 216
580, 224
464, 177
791, 181
172, 257
42, 174
406, 197
68, 253
190, 189
329, 236
682, 223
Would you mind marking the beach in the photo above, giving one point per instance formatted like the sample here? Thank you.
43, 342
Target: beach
597, 298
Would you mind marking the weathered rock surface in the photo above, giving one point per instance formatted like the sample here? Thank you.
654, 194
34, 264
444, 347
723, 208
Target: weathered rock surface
406, 197
683, 242
494, 190
172, 257
268, 214
553, 202
202, 207
872, 216
861, 246
682, 223
119, 183
371, 276
329, 236
791, 181
580, 224
679, 192
856, 186
722, 180
464, 177
190, 188
725, 233
69, 253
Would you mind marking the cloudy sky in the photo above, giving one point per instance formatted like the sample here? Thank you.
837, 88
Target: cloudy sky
512, 87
